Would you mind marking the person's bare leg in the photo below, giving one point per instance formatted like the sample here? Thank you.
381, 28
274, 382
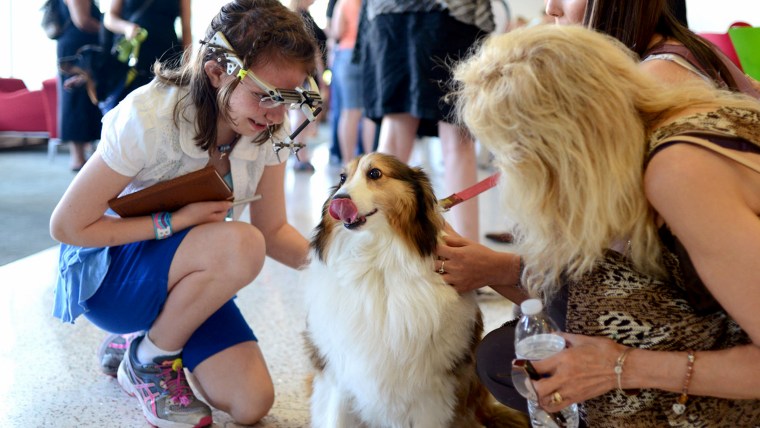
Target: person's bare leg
247, 392
211, 265
397, 134
368, 134
460, 164
348, 132
77, 155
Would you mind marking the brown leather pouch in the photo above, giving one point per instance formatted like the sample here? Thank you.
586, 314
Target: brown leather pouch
200, 186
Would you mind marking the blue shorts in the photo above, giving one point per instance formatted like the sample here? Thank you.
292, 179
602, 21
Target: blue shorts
351, 78
135, 289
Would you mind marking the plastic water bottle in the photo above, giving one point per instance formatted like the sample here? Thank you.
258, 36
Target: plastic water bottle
536, 339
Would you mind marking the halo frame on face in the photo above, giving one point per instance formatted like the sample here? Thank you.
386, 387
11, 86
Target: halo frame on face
308, 100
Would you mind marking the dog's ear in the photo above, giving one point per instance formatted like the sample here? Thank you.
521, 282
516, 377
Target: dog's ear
427, 216
326, 224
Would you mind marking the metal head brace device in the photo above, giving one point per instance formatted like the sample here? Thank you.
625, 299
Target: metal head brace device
309, 101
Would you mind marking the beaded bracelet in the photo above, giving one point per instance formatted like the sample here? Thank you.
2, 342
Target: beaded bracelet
162, 225
679, 407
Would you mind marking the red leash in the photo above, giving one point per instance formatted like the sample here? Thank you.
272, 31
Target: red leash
470, 192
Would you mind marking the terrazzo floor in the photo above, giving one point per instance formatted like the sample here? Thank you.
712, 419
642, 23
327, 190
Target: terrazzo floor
48, 370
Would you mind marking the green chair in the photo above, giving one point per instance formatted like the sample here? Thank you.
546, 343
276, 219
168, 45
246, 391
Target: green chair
746, 41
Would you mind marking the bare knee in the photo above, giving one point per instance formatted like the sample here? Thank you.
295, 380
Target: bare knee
244, 252
248, 409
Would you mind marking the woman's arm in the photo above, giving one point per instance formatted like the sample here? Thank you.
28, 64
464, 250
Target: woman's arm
338, 24
712, 204
116, 24
284, 243
185, 19
81, 16
79, 217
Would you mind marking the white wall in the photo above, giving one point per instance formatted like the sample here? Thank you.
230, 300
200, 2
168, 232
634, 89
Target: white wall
710, 16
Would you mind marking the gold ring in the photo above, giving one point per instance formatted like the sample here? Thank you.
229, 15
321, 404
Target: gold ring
556, 398
440, 270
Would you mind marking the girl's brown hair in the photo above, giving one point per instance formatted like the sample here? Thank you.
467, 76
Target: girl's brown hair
260, 32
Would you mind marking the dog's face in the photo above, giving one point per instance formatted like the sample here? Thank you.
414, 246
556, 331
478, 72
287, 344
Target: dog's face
378, 193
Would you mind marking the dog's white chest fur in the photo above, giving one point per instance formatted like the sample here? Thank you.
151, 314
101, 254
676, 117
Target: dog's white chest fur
389, 332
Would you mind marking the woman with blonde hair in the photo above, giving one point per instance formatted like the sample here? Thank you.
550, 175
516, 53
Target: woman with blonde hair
638, 209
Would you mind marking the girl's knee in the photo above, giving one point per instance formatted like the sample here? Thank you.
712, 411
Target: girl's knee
247, 409
244, 251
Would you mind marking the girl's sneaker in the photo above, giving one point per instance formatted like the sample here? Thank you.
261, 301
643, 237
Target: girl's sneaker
162, 389
112, 350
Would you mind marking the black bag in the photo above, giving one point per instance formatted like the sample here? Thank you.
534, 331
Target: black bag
52, 22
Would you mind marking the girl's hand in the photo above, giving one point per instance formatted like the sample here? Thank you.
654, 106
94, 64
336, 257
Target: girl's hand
200, 213
586, 369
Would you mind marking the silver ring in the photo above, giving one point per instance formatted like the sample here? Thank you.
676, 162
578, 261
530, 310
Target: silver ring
440, 270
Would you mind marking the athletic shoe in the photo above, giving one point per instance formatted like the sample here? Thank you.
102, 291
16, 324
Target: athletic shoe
112, 350
162, 389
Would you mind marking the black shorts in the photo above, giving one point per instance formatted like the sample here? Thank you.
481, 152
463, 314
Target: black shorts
407, 60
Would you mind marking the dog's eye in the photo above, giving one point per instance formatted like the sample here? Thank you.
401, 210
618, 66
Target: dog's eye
374, 174
342, 178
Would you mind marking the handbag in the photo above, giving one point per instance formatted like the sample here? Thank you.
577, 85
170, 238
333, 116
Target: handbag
52, 22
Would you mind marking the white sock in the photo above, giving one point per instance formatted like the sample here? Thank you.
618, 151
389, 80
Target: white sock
147, 351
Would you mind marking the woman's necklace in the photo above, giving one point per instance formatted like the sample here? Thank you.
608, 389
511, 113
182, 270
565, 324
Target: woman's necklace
226, 148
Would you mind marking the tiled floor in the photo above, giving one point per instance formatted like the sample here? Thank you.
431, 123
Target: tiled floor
48, 371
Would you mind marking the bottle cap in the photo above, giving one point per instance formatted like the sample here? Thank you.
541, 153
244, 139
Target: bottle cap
531, 306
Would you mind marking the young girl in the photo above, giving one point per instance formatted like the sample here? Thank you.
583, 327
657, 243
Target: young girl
173, 275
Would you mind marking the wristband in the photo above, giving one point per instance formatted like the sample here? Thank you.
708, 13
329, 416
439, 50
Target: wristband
162, 225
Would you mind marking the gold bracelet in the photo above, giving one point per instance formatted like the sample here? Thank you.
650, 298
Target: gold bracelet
679, 407
619, 368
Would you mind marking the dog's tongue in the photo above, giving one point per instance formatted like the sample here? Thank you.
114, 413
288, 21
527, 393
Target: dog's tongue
343, 209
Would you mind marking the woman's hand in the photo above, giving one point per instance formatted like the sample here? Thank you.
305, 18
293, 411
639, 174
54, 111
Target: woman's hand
200, 213
586, 369
468, 265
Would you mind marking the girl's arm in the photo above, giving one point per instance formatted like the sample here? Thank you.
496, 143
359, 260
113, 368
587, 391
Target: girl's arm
79, 217
284, 243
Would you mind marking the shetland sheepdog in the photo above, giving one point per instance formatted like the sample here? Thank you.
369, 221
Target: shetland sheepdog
391, 343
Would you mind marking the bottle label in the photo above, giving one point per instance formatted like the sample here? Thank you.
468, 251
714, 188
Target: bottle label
539, 346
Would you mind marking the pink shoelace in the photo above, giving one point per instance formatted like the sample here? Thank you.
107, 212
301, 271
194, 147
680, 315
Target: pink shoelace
179, 389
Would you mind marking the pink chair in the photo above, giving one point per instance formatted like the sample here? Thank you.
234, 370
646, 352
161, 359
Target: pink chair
21, 110
723, 42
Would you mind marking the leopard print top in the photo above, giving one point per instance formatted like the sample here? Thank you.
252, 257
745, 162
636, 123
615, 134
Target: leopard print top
617, 301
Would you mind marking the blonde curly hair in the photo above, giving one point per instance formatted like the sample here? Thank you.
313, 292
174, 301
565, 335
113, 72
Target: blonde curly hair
567, 114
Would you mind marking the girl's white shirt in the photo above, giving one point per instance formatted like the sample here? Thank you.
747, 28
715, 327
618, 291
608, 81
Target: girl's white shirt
141, 140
